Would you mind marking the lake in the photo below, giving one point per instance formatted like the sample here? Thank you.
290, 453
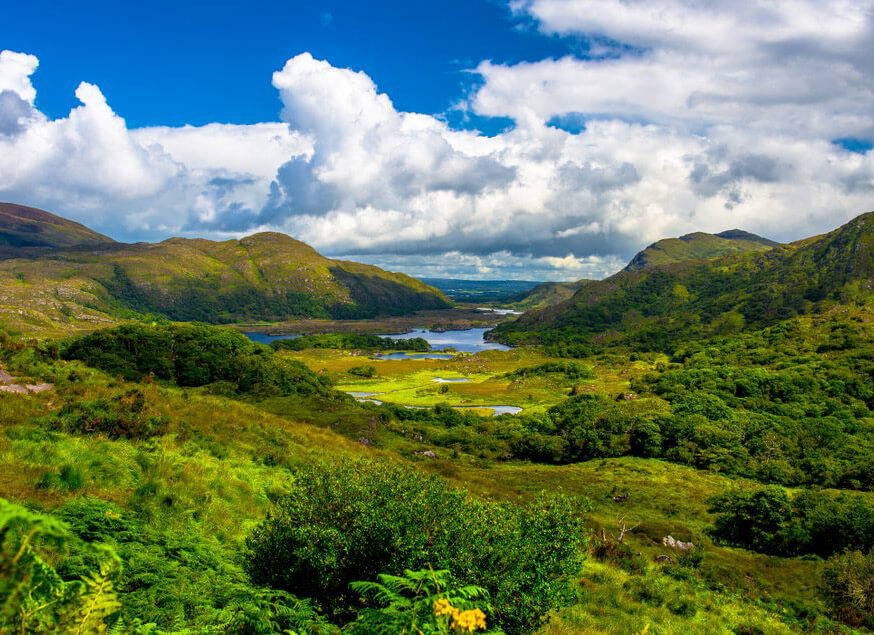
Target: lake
263, 338
467, 341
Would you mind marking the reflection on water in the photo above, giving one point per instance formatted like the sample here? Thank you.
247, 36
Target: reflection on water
263, 338
451, 380
467, 341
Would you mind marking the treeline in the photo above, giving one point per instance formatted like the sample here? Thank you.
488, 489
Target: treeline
571, 370
193, 355
352, 341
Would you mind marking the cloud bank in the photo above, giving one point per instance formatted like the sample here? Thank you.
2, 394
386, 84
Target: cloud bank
687, 116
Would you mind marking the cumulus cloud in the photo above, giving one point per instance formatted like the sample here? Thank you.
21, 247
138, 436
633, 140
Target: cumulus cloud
693, 116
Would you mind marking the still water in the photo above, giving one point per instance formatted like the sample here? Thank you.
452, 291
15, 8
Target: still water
468, 341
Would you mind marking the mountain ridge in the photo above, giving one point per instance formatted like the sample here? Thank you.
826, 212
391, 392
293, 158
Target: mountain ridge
264, 276
698, 246
656, 307
23, 226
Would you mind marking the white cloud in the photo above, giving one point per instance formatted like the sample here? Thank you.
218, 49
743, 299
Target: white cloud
698, 116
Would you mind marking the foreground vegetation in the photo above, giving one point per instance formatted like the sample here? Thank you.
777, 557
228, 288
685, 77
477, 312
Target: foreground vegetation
148, 497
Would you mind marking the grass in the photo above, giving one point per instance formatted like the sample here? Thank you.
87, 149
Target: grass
412, 382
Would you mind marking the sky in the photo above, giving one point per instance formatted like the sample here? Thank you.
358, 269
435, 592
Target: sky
530, 139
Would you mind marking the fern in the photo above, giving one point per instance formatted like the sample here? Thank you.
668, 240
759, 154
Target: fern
32, 594
98, 603
422, 602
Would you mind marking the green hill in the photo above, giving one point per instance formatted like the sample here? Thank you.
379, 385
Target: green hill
546, 294
659, 305
266, 276
698, 246
22, 226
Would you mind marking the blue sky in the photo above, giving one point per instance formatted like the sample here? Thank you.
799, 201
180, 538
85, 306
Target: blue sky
196, 62
531, 139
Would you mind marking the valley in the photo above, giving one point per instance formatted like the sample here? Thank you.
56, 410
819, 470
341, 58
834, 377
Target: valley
557, 467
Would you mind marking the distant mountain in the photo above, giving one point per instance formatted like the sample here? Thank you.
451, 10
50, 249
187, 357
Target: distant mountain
22, 226
658, 306
481, 290
698, 246
266, 276
546, 294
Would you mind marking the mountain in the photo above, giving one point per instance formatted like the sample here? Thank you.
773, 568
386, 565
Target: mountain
660, 305
546, 294
266, 276
697, 246
22, 226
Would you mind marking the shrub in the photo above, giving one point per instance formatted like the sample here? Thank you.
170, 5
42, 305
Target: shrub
849, 587
362, 371
359, 519
129, 415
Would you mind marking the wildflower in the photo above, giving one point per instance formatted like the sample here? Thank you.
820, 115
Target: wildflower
469, 621
443, 607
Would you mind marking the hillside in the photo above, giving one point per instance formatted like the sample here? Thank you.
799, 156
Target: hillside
545, 294
22, 226
698, 246
267, 276
660, 305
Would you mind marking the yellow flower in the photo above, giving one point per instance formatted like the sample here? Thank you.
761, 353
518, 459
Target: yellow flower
443, 607
469, 621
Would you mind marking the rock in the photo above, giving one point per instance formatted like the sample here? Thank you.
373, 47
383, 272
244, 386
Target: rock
665, 559
626, 396
38, 387
365, 441
426, 453
679, 545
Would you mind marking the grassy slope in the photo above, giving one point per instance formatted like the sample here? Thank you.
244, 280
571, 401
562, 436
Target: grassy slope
698, 246
22, 226
546, 294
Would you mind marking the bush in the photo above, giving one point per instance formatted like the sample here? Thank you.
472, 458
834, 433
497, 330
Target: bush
849, 587
754, 520
359, 519
362, 371
130, 415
